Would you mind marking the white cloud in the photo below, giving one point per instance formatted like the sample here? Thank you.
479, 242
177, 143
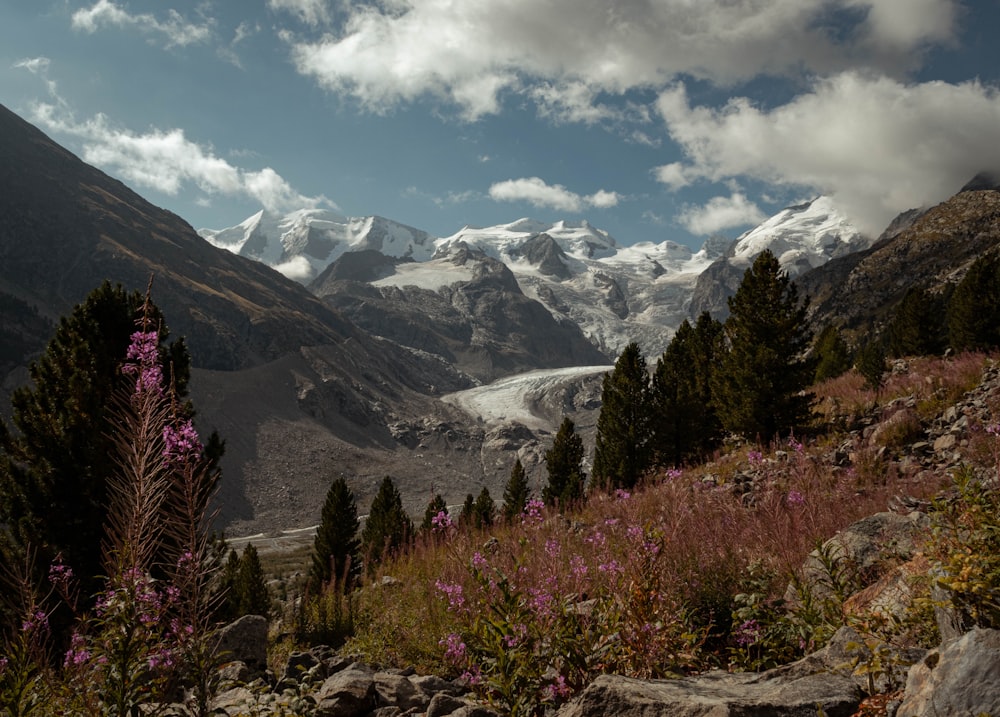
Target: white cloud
562, 53
312, 12
297, 269
878, 145
555, 196
175, 28
673, 175
167, 161
721, 213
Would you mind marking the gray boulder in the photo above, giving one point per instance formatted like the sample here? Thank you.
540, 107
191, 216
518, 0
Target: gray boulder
796, 690
960, 678
349, 693
244, 640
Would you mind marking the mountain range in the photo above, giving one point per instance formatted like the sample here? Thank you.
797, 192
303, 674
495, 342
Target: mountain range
328, 346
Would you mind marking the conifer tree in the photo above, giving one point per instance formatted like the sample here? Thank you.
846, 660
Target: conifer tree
484, 509
434, 508
917, 325
55, 463
388, 528
760, 386
974, 309
684, 422
623, 451
870, 363
833, 356
515, 493
336, 548
250, 585
229, 605
467, 518
564, 462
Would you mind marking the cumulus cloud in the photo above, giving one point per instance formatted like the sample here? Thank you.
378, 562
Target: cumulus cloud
168, 161
721, 213
878, 145
562, 52
538, 193
175, 29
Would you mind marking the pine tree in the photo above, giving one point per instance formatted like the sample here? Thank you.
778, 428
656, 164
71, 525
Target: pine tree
833, 356
388, 528
250, 585
515, 493
336, 548
760, 385
435, 507
684, 422
917, 325
623, 451
55, 463
974, 309
870, 363
484, 509
229, 605
467, 518
564, 462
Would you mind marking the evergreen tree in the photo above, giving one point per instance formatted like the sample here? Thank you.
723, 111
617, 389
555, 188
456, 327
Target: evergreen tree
870, 363
760, 385
229, 605
684, 422
623, 451
564, 462
467, 518
974, 309
336, 548
917, 325
434, 507
833, 357
250, 585
388, 528
55, 463
484, 509
515, 493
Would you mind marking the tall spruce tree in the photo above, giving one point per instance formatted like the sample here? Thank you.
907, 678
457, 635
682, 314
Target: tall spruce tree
336, 548
515, 493
251, 587
833, 356
917, 326
623, 451
974, 309
564, 462
484, 509
388, 529
684, 421
760, 385
56, 459
870, 363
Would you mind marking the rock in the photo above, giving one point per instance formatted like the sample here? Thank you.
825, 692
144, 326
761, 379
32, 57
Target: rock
945, 443
400, 691
244, 640
234, 672
443, 704
960, 678
777, 692
892, 595
349, 693
299, 663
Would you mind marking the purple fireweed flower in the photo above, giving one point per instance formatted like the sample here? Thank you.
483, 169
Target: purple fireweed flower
143, 362
454, 648
578, 567
611, 521
180, 442
453, 591
60, 575
795, 498
755, 457
993, 429
673, 474
612, 567
552, 548
748, 633
76, 657
558, 689
441, 522
794, 445
622, 494
36, 621
541, 603
478, 561
532, 512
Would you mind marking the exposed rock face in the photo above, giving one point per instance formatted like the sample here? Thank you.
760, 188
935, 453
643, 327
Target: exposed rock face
958, 679
547, 255
245, 641
795, 690
861, 289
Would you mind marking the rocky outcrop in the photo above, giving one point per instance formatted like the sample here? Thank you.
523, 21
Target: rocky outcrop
244, 641
797, 690
960, 678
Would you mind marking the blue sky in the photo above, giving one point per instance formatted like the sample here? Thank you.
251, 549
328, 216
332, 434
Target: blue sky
652, 119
